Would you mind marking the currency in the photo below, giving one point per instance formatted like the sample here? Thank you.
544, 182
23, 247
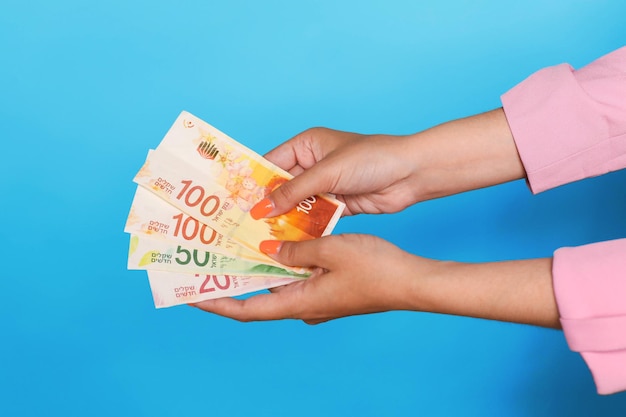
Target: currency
189, 221
216, 180
163, 255
150, 218
170, 289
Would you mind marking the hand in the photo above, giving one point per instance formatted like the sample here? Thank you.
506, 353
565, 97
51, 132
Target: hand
376, 279
385, 174
371, 174
360, 274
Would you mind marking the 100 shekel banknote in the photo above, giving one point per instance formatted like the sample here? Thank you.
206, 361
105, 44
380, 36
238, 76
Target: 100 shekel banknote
170, 288
153, 218
216, 180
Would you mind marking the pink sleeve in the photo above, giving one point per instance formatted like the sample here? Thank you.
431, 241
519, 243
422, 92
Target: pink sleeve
590, 287
569, 125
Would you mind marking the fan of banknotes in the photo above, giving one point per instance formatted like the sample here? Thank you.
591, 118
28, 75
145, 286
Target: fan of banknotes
189, 222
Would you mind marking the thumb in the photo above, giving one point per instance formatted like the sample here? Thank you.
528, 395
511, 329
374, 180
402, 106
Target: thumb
308, 253
284, 198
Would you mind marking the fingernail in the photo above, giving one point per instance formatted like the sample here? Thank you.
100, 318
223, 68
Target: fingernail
270, 247
261, 209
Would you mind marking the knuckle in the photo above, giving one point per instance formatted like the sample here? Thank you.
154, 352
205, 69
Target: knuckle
288, 253
353, 243
309, 137
327, 247
285, 193
315, 132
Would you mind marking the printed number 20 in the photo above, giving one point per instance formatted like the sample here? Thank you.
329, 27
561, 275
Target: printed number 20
206, 285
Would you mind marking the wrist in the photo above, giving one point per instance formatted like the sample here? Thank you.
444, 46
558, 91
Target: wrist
465, 154
421, 284
513, 291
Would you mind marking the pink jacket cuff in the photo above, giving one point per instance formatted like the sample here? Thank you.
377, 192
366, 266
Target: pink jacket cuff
569, 125
590, 287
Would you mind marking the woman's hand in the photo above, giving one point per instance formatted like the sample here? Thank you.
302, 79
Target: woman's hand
385, 174
360, 274
354, 274
370, 173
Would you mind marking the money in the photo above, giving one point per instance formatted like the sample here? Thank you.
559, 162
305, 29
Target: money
170, 289
190, 224
216, 180
162, 255
150, 218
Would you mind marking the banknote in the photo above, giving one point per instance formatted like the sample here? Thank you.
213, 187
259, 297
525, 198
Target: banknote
171, 288
190, 225
216, 180
163, 255
197, 194
151, 217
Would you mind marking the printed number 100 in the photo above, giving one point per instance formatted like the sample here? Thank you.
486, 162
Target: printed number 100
196, 195
306, 205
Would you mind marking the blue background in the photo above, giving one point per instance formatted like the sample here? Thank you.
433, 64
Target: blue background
87, 87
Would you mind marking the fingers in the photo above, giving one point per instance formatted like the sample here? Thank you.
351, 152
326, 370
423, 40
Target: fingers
303, 156
315, 253
342, 282
288, 195
299, 151
297, 170
283, 155
262, 307
257, 308
289, 301
316, 180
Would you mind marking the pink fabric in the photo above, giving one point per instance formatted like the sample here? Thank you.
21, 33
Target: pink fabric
569, 125
590, 286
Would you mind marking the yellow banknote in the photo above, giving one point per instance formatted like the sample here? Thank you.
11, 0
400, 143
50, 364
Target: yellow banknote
153, 218
216, 180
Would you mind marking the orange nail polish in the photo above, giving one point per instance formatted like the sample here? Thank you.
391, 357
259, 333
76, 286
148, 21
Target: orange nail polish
261, 209
270, 247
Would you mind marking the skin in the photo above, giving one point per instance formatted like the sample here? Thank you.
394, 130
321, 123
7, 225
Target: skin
457, 156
